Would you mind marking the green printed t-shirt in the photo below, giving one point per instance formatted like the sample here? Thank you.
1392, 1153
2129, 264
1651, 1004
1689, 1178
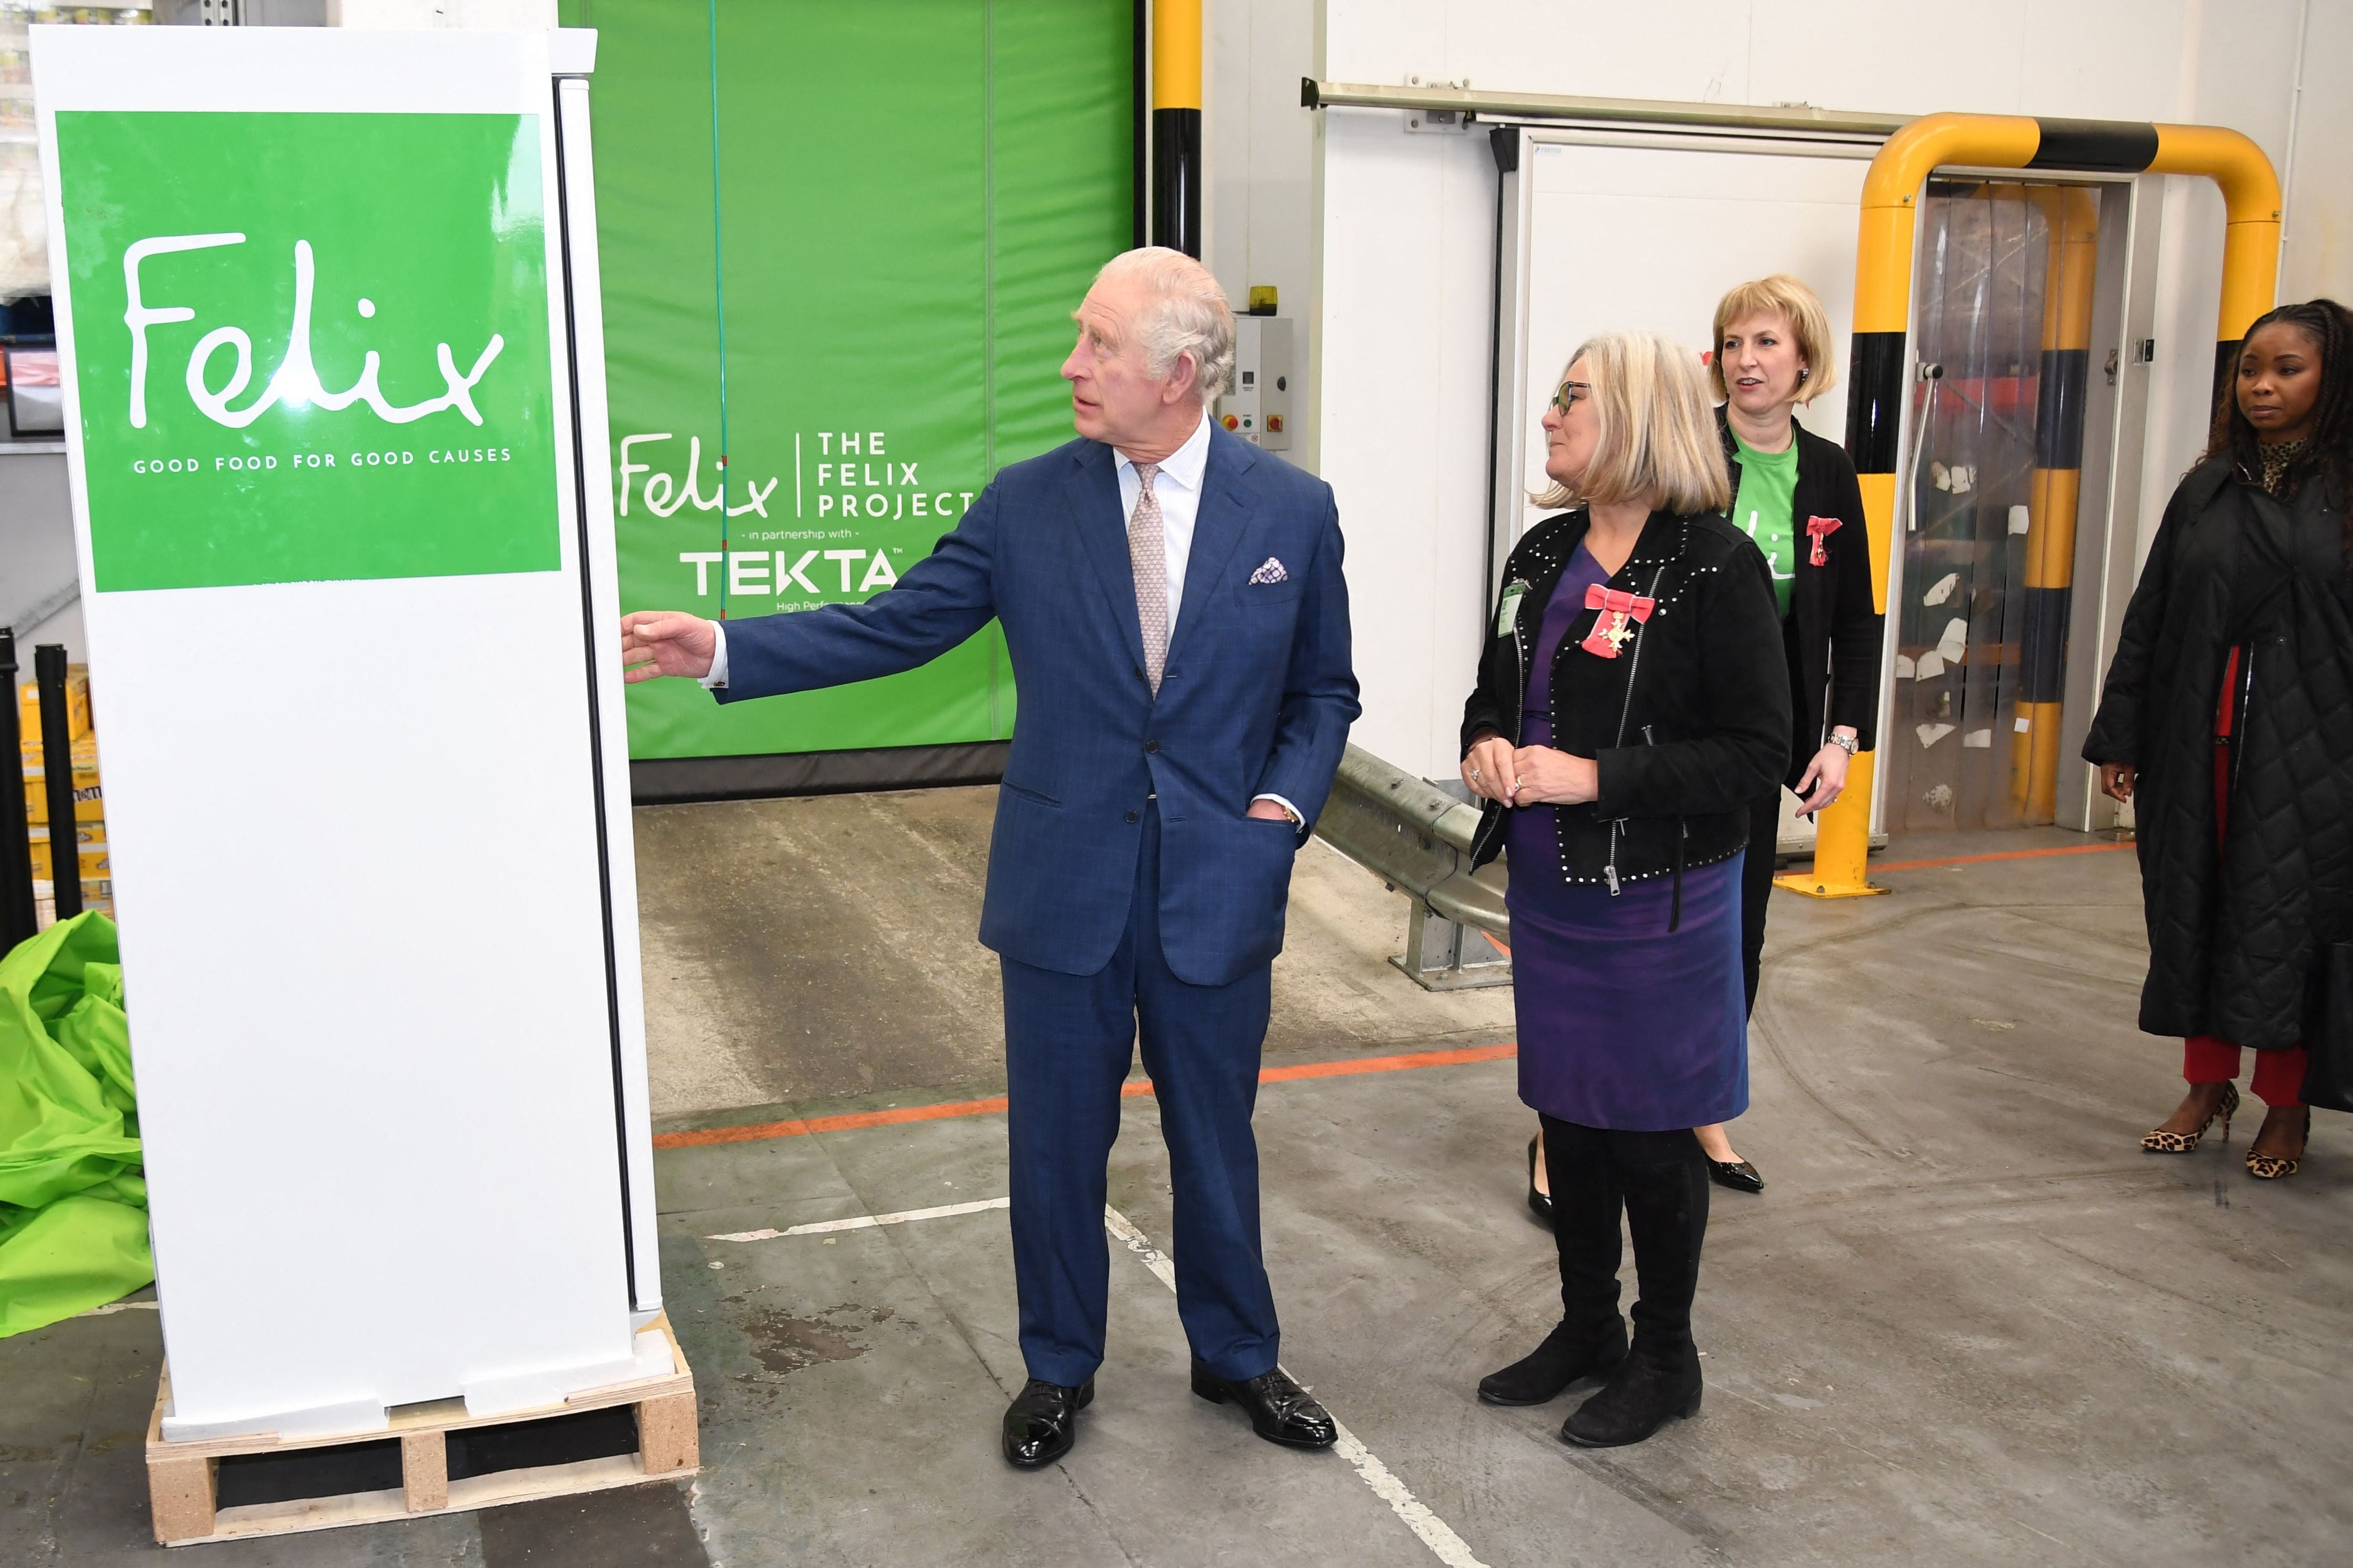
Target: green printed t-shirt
1766, 510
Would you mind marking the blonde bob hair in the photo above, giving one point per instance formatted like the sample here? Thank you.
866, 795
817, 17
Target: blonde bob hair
1658, 432
1799, 306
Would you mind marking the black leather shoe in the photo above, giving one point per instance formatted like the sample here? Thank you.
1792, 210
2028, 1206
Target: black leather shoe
1738, 1174
1042, 1422
1646, 1392
1539, 1204
1568, 1353
1279, 1410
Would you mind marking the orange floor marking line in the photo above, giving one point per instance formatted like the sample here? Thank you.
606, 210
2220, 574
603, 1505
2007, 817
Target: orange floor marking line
2004, 855
1389, 1064
759, 1131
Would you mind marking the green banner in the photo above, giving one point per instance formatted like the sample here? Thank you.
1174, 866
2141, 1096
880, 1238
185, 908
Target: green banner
890, 213
350, 384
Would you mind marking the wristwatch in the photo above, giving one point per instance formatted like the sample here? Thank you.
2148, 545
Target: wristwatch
1846, 744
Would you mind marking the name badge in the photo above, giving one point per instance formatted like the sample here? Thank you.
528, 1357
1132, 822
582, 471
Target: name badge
1508, 615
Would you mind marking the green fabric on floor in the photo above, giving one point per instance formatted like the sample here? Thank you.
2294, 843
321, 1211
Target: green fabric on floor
73, 1199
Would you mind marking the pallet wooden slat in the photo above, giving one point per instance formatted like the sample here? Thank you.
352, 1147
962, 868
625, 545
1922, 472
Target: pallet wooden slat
182, 1479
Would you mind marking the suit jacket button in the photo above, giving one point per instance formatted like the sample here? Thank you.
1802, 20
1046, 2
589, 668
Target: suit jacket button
1130, 817
1151, 745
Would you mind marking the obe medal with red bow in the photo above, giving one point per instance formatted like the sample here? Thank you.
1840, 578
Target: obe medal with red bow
1613, 628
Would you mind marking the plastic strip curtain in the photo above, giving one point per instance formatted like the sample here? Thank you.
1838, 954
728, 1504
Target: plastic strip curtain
1986, 555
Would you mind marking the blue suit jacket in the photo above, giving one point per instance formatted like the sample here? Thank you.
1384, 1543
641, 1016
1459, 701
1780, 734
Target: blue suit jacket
1257, 699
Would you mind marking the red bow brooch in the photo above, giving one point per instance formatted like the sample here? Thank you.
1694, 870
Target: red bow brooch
1610, 631
1820, 528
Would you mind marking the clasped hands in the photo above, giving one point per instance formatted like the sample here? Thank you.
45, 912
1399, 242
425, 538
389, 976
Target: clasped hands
1529, 775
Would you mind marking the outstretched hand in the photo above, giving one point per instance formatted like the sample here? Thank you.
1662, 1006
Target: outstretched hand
666, 642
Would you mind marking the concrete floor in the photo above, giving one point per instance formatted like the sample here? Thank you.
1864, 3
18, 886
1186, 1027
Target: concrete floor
1969, 1323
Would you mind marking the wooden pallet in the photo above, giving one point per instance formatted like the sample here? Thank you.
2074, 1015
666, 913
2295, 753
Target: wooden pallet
183, 1479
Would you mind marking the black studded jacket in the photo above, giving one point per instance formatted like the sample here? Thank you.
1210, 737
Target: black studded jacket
1688, 724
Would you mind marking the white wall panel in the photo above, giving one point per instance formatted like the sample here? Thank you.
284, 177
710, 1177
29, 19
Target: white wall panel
2319, 259
1405, 332
1647, 238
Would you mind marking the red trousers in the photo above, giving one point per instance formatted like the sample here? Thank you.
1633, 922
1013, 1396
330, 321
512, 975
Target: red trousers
2279, 1075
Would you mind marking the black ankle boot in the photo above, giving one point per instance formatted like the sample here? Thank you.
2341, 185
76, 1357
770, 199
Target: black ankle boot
1651, 1386
1569, 1353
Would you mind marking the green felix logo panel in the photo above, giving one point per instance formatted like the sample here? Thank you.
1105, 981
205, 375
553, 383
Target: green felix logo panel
311, 347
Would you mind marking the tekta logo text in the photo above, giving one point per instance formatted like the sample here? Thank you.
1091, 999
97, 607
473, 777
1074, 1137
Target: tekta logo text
295, 383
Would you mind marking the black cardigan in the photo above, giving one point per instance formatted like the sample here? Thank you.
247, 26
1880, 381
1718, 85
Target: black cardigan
1834, 639
1687, 726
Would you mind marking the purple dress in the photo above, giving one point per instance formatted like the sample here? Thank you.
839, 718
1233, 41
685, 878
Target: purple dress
1623, 1024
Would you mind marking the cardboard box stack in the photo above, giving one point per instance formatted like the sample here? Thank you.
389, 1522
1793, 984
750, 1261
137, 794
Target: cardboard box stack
89, 798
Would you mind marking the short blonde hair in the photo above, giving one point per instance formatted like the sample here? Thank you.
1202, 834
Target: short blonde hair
1783, 296
1658, 431
1184, 312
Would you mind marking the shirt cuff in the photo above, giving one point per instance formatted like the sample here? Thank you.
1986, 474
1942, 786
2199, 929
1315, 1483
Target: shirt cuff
1298, 817
717, 680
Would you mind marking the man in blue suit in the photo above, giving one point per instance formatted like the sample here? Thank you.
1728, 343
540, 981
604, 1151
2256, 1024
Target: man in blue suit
1172, 603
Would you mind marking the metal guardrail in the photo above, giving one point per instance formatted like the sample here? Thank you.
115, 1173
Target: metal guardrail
1416, 838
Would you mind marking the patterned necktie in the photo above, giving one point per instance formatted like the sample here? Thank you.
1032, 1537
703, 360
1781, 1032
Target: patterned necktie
1147, 553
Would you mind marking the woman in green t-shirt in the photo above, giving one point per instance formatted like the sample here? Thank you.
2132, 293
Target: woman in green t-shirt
1796, 495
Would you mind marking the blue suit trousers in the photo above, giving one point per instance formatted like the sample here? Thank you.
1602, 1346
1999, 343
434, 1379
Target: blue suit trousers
1069, 1041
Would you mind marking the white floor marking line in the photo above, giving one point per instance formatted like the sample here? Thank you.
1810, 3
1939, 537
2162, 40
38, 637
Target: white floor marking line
1435, 1532
865, 1221
112, 1307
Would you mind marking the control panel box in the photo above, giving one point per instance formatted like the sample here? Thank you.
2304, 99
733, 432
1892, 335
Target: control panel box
1258, 406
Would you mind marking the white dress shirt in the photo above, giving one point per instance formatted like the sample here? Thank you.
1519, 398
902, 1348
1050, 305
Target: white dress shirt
1177, 485
1177, 488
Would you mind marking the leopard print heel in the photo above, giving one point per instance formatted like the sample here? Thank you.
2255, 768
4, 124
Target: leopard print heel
2272, 1167
2159, 1142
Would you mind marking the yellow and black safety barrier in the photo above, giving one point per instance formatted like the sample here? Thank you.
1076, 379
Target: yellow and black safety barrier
1176, 125
1882, 307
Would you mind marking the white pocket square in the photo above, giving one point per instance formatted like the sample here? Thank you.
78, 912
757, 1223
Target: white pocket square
1271, 572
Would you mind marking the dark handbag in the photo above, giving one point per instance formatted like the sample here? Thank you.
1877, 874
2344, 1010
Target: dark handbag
2329, 1037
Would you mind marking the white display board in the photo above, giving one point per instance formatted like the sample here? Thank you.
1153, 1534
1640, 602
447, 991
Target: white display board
1608, 231
327, 303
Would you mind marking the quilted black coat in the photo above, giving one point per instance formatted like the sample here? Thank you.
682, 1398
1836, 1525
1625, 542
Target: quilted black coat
2239, 937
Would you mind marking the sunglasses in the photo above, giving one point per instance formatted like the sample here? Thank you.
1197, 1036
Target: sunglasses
1569, 391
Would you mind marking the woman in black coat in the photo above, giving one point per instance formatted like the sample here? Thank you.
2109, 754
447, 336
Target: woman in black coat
1630, 706
2228, 720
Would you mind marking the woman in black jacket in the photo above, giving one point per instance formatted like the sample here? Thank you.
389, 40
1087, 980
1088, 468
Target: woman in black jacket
1795, 494
2228, 720
1630, 705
